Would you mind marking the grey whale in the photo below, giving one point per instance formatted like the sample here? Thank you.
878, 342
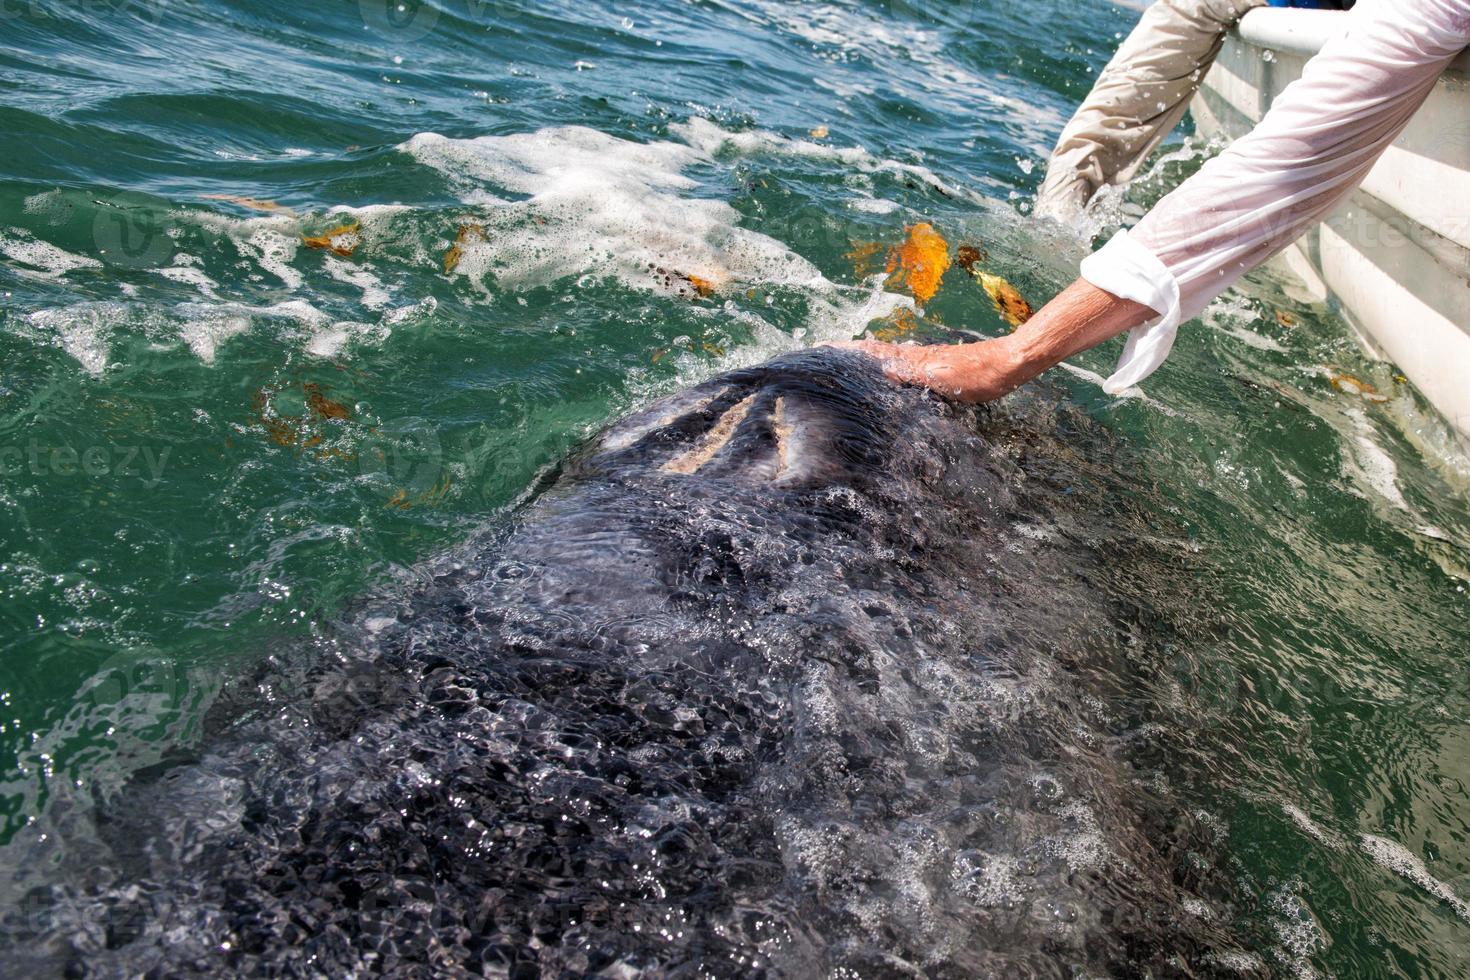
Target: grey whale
765, 682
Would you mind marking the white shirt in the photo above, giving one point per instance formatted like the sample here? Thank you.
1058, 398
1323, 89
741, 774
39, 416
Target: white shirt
1318, 141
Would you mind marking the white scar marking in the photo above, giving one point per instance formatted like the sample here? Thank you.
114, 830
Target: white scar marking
713, 441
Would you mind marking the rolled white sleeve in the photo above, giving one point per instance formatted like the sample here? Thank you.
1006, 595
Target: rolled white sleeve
1318, 141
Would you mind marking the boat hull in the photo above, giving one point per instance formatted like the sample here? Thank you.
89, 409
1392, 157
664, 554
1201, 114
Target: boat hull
1395, 257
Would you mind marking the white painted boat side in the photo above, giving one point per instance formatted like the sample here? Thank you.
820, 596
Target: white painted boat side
1396, 257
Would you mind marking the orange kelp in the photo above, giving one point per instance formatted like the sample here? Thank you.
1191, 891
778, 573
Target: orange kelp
1006, 299
303, 431
897, 325
342, 240
920, 262
252, 203
1350, 385
469, 233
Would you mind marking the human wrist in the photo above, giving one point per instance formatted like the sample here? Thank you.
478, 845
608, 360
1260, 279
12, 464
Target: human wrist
979, 371
1010, 361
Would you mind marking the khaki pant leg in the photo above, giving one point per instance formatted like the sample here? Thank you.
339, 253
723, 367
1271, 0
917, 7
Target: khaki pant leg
1139, 97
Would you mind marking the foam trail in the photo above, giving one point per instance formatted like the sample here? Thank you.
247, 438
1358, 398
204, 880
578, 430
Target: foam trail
599, 205
1135, 392
39, 259
1393, 856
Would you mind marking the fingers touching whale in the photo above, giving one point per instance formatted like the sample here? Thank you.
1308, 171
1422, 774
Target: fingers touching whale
765, 682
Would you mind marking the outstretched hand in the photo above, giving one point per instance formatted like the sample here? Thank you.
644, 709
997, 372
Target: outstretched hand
978, 372
1079, 317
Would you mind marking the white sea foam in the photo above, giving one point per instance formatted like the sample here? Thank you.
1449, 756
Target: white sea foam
51, 205
1380, 472
595, 204
83, 330
375, 226
1239, 962
274, 251
375, 295
329, 341
1367, 464
205, 326
191, 276
1299, 935
1082, 846
39, 259
1310, 827
714, 139
273, 242
546, 206
989, 880
873, 205
1232, 316
407, 314
1393, 856
205, 332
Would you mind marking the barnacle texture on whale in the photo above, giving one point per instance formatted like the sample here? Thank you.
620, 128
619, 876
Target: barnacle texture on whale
765, 682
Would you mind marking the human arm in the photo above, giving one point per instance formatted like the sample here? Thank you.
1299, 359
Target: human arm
1081, 316
1137, 99
1319, 140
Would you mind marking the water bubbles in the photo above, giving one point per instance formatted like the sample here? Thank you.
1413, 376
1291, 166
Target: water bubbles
1060, 911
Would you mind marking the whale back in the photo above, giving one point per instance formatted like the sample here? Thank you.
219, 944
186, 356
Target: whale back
790, 673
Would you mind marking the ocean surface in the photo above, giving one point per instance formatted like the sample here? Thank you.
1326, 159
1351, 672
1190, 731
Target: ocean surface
296, 297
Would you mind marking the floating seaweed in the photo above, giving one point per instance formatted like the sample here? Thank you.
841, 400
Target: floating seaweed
1006, 299
919, 263
864, 258
322, 406
469, 233
684, 283
342, 240
1350, 385
250, 203
901, 323
702, 286
303, 430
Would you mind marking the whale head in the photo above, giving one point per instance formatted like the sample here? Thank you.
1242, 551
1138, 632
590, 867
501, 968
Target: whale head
797, 672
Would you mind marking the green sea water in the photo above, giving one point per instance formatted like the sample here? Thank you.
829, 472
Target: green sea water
294, 297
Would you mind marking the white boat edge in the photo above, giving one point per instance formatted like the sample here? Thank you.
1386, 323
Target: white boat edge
1395, 258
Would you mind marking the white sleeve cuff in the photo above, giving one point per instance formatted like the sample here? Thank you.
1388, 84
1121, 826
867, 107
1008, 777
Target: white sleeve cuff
1128, 270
